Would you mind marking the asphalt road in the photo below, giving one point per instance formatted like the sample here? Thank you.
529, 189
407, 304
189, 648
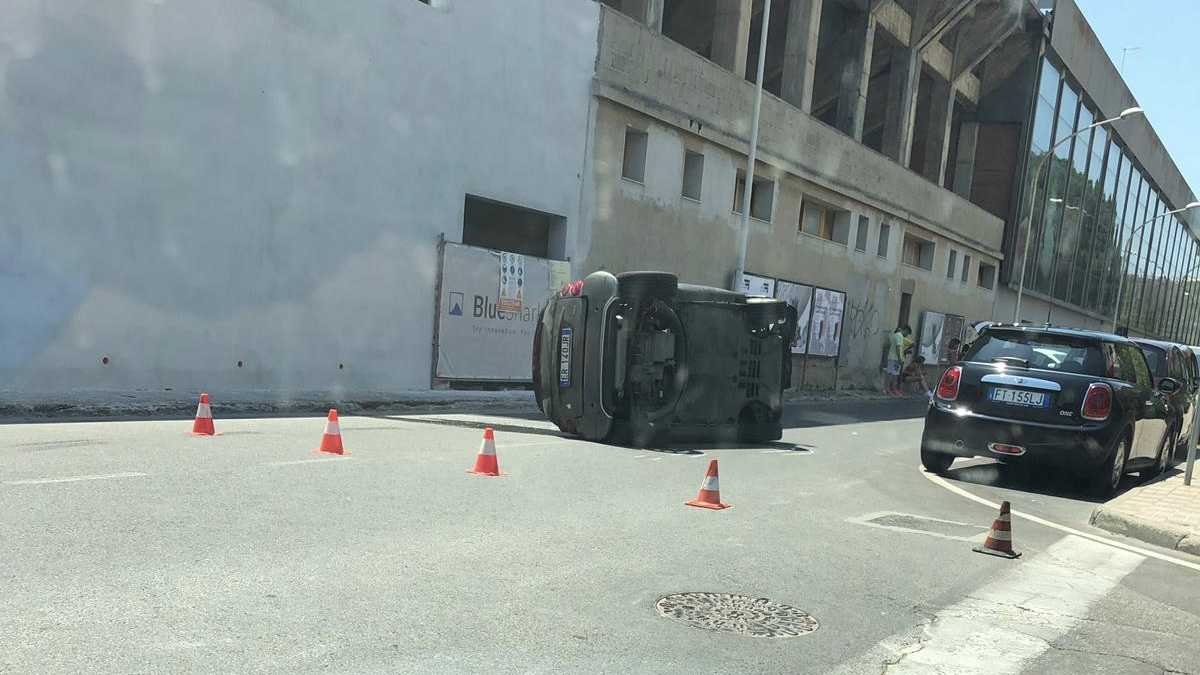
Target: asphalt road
134, 547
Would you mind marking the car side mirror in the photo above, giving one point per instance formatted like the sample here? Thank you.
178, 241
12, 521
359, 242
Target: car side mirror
1168, 385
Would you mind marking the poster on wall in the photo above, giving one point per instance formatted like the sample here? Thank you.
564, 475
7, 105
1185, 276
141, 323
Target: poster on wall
758, 287
952, 329
800, 297
512, 281
476, 339
933, 326
825, 335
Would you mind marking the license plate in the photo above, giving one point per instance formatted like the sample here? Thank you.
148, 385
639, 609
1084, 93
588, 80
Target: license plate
564, 357
1028, 399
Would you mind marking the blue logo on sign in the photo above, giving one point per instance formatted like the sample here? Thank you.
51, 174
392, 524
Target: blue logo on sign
456, 303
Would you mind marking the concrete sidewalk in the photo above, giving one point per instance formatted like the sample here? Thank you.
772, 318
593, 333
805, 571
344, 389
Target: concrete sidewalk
1165, 513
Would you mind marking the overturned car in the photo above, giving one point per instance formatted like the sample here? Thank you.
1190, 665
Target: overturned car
639, 358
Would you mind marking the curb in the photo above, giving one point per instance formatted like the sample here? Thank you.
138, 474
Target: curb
1166, 536
56, 410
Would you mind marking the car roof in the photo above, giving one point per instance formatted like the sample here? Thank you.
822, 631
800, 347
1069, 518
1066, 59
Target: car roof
1059, 330
1161, 344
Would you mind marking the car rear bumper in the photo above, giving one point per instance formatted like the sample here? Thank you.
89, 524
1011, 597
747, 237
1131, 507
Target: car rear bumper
966, 434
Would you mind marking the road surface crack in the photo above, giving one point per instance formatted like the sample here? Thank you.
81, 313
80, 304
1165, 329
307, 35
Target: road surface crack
926, 628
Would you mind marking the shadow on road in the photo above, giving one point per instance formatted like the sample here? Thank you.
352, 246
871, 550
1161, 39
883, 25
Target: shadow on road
1048, 481
804, 414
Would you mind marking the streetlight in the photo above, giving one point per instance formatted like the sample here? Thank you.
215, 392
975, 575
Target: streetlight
758, 86
1128, 251
1037, 170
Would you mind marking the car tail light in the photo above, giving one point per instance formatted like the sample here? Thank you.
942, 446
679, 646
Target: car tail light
947, 388
1097, 403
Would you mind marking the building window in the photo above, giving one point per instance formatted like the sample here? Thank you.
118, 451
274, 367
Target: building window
987, 276
762, 197
506, 227
633, 166
966, 268
825, 222
918, 252
950, 265
885, 233
860, 239
693, 174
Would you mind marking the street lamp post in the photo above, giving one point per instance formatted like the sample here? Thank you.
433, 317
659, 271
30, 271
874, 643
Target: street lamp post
1037, 170
758, 86
1128, 252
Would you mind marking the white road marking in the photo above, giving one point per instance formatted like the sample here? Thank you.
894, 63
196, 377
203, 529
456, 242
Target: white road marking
73, 479
938, 480
309, 461
1011, 621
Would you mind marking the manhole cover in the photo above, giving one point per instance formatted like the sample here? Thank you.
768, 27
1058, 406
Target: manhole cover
756, 617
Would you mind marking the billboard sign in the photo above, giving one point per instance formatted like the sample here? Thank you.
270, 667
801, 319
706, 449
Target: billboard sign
478, 338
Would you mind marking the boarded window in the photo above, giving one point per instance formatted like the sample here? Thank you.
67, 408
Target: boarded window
762, 197
693, 174
987, 276
633, 165
825, 221
918, 252
860, 239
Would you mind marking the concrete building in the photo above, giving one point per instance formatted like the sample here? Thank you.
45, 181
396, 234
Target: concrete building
246, 196
250, 196
896, 136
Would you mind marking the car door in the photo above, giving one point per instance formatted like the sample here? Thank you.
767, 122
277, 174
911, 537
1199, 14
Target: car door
1149, 408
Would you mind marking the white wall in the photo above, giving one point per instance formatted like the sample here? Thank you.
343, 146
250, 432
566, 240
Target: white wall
188, 184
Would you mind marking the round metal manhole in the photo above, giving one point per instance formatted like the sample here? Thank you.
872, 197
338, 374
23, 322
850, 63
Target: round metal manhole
742, 614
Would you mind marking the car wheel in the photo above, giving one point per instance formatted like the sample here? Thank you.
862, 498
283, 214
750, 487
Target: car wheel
935, 462
640, 286
1165, 450
1108, 476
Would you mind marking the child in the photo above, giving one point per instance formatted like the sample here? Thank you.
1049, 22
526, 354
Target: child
915, 372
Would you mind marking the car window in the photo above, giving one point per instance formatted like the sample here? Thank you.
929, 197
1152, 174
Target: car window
1044, 351
1157, 360
1113, 363
1133, 360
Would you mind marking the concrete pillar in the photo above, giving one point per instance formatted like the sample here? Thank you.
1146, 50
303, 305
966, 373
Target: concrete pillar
901, 104
731, 34
937, 133
964, 160
855, 73
800, 52
654, 14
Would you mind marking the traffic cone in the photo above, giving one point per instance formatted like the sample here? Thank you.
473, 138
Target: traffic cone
999, 539
203, 426
710, 491
486, 463
331, 441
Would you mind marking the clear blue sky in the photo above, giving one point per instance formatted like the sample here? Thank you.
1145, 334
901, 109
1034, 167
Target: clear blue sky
1164, 73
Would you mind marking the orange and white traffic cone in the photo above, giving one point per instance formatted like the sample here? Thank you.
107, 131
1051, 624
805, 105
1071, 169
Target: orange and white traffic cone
710, 491
203, 426
331, 441
999, 539
486, 463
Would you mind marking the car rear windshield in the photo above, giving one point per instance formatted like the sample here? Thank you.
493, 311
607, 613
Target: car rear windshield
1044, 351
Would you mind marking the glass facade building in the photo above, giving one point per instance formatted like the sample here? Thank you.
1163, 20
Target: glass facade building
1097, 216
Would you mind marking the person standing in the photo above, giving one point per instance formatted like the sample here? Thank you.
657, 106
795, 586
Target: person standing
898, 343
